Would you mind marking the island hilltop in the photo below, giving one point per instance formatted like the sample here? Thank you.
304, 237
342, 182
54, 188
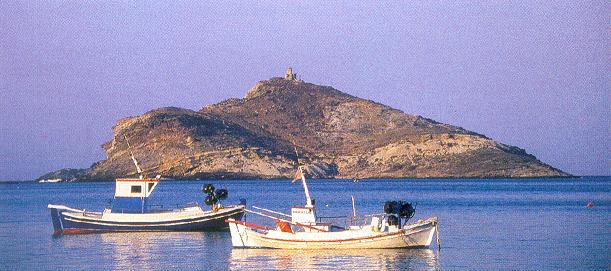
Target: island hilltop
337, 135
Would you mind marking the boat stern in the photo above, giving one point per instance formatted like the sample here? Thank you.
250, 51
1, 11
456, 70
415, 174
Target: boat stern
56, 219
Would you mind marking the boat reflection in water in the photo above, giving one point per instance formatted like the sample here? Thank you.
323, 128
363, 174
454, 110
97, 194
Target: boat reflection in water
357, 259
145, 250
150, 250
213, 251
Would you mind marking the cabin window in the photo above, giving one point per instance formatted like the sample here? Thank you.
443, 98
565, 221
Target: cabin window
150, 186
136, 189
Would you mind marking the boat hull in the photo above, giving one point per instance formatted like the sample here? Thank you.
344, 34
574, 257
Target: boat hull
412, 236
71, 221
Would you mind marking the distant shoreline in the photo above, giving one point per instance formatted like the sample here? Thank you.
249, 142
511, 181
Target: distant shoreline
331, 179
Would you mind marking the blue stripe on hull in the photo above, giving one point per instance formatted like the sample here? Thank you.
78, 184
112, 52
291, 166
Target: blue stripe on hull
209, 223
120, 223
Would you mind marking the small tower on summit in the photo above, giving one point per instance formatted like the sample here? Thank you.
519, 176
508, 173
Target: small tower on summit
290, 75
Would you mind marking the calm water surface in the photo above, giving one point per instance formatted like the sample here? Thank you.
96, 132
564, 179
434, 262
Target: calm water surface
532, 224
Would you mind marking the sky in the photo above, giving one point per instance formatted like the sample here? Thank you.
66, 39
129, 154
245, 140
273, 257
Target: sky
534, 74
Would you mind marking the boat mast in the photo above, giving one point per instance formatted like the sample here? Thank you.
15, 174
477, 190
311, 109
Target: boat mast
305, 188
303, 182
133, 158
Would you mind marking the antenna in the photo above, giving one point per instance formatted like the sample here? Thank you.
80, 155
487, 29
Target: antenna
129, 147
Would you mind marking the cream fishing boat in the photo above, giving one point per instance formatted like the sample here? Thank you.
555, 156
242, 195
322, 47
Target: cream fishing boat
302, 229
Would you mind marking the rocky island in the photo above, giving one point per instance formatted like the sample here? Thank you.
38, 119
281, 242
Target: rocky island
337, 135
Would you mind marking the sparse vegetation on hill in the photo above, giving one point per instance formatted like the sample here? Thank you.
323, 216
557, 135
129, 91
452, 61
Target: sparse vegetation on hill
341, 136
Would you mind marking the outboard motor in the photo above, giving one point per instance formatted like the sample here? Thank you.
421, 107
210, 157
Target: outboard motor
398, 210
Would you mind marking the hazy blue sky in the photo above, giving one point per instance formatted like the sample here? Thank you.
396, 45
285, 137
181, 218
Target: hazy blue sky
533, 74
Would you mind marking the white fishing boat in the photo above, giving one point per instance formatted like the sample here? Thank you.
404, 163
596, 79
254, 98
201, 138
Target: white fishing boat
303, 230
132, 211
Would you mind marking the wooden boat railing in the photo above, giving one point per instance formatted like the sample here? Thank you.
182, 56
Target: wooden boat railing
91, 214
283, 220
159, 208
348, 221
162, 208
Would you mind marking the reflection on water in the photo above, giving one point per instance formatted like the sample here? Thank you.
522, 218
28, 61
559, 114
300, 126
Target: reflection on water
212, 251
152, 250
361, 259
142, 250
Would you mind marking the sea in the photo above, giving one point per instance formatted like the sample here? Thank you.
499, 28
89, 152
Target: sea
485, 224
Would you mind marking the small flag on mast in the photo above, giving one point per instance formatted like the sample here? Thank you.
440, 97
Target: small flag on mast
297, 175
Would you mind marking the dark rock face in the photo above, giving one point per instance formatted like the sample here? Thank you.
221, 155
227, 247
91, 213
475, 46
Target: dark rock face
338, 135
182, 143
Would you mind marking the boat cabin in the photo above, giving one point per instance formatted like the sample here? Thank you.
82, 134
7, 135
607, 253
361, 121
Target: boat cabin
303, 215
131, 195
